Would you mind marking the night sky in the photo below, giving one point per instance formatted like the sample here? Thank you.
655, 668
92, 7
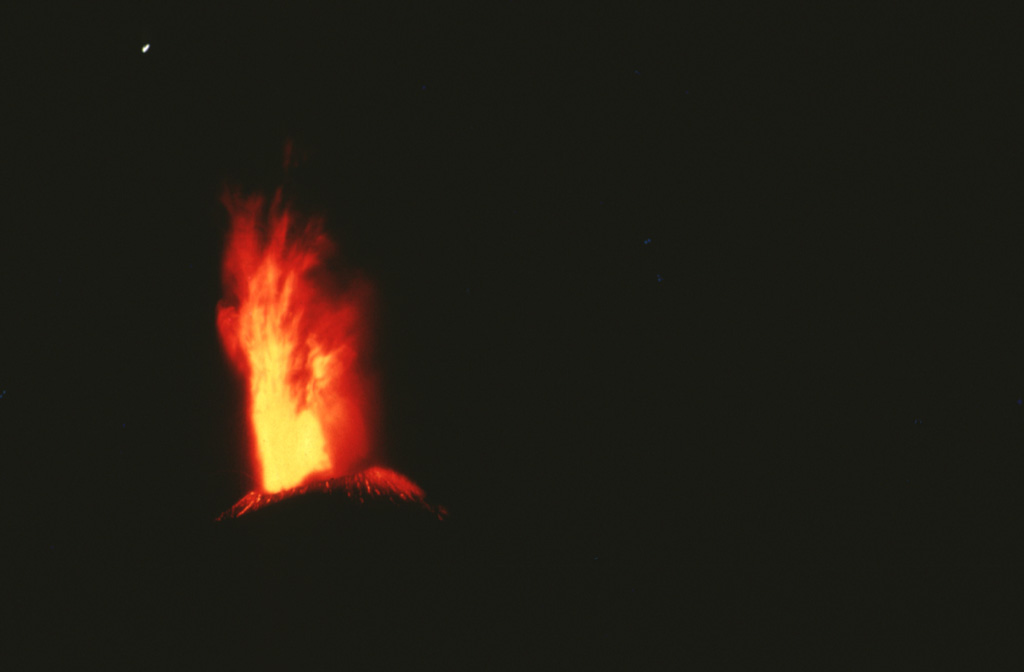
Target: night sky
704, 325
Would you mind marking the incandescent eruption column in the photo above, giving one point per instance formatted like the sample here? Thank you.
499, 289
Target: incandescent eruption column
297, 339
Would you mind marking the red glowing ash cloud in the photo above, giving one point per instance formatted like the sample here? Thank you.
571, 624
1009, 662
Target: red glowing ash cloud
298, 341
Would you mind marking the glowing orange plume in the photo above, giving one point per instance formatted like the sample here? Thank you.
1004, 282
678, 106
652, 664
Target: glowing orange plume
298, 343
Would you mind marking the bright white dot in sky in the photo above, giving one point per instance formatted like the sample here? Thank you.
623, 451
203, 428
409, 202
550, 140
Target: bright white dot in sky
145, 48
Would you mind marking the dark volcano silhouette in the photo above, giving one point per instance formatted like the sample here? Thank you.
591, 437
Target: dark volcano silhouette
375, 487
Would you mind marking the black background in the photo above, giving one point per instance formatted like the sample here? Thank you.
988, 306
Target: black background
788, 425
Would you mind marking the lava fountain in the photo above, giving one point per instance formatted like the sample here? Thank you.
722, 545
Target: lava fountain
299, 340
